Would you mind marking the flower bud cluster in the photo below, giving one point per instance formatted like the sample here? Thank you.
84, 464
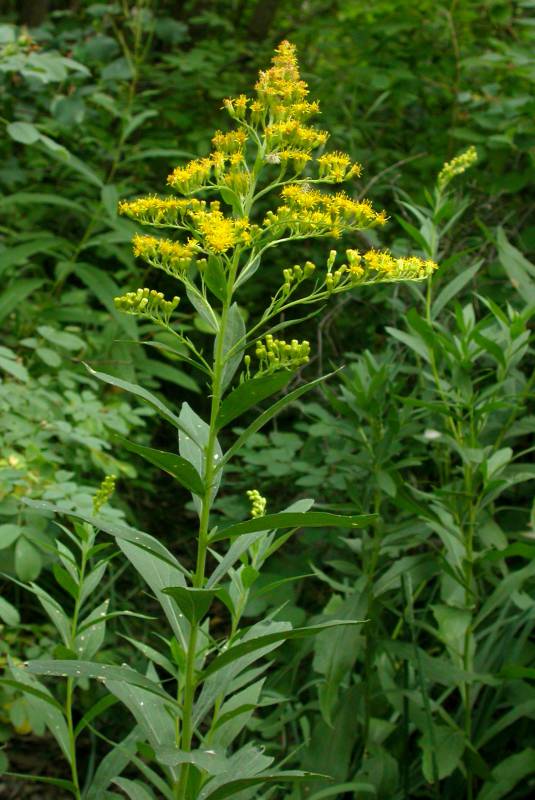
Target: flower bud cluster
294, 275
172, 257
258, 503
456, 166
147, 303
192, 177
274, 354
104, 493
375, 267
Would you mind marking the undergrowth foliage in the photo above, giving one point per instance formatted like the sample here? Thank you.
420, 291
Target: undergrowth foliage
200, 689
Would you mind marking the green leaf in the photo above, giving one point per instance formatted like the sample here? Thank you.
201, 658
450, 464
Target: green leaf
8, 613
272, 411
16, 294
175, 465
23, 132
140, 392
9, 533
95, 711
453, 288
447, 747
415, 343
210, 761
14, 368
248, 394
113, 764
231, 788
214, 277
251, 645
134, 789
170, 373
67, 786
68, 341
102, 672
192, 442
308, 519
194, 603
520, 271
507, 774
27, 560
233, 334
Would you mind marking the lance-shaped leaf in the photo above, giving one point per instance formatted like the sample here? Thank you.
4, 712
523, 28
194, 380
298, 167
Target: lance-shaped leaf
269, 413
234, 333
292, 519
140, 392
248, 394
175, 465
102, 672
134, 789
249, 646
194, 603
210, 761
233, 787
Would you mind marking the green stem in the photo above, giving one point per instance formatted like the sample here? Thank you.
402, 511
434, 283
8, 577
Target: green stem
202, 547
70, 681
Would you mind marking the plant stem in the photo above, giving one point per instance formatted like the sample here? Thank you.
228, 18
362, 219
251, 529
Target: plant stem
202, 545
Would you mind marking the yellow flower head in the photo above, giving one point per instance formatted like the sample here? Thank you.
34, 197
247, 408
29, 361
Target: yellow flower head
160, 212
172, 257
192, 177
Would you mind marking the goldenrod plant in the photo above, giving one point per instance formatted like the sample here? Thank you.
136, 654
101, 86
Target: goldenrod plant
200, 690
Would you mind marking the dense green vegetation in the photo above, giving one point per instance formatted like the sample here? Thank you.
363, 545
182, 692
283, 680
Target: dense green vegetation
429, 426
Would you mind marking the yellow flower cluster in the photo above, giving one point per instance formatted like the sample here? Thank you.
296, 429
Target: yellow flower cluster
103, 493
293, 133
160, 212
456, 166
275, 354
193, 176
314, 213
281, 85
337, 167
171, 257
258, 503
231, 142
147, 303
219, 233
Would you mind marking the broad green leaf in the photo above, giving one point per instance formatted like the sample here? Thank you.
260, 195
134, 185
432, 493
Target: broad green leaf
68, 341
233, 334
134, 789
14, 368
23, 132
248, 394
250, 646
27, 560
194, 603
13, 296
20, 254
9, 533
175, 465
272, 411
193, 440
309, 519
214, 277
508, 774
47, 708
8, 613
203, 308
447, 747
29, 688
